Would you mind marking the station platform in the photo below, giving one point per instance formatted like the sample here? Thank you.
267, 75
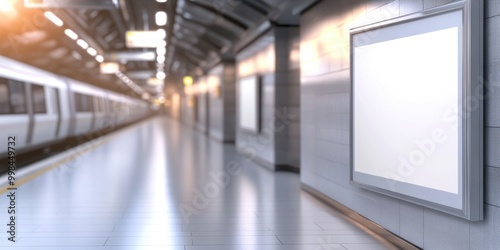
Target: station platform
159, 185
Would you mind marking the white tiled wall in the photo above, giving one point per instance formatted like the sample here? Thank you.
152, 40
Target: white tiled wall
325, 124
275, 58
222, 110
258, 59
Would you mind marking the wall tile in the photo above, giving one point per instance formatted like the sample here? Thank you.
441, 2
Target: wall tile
492, 92
442, 231
412, 223
492, 147
486, 234
428, 4
492, 186
492, 39
491, 8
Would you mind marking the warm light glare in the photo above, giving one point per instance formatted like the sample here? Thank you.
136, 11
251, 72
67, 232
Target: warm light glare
53, 18
82, 43
202, 88
6, 6
109, 68
188, 80
71, 34
155, 82
92, 51
144, 39
161, 18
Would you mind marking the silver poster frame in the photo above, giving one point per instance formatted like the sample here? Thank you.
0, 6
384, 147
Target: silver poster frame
258, 104
471, 119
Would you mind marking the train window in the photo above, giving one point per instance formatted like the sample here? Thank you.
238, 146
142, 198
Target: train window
91, 103
83, 103
100, 105
97, 104
17, 96
4, 97
78, 102
103, 105
38, 96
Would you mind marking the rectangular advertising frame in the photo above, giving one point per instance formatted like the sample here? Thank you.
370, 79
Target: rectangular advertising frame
249, 103
417, 108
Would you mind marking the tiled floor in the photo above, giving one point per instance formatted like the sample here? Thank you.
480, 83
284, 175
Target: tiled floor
157, 185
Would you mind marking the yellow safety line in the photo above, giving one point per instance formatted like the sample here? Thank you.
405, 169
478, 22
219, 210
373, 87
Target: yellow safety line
50, 167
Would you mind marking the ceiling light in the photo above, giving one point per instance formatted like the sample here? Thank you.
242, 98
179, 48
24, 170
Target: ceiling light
143, 39
76, 55
188, 81
161, 50
162, 34
161, 75
92, 51
82, 43
109, 68
160, 59
161, 18
99, 58
71, 34
53, 18
161, 1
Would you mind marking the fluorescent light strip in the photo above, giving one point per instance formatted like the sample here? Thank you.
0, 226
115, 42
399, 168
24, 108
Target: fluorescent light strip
161, 51
82, 43
53, 18
92, 51
99, 58
162, 34
160, 75
71, 34
161, 18
129, 82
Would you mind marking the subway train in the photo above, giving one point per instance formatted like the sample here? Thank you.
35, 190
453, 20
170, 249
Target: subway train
40, 108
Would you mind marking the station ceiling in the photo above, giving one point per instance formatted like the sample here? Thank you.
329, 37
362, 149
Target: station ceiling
199, 34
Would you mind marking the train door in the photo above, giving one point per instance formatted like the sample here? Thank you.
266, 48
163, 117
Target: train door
13, 112
62, 107
84, 113
45, 114
101, 113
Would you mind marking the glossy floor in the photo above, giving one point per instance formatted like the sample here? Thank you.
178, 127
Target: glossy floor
157, 185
